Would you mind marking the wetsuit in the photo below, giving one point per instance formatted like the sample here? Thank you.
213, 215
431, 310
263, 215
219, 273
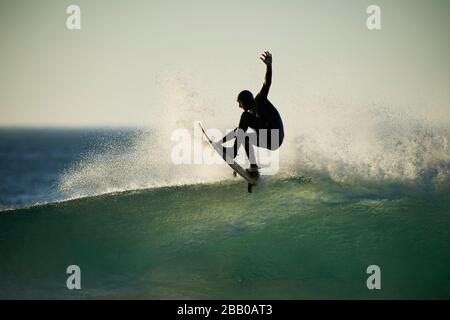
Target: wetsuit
261, 115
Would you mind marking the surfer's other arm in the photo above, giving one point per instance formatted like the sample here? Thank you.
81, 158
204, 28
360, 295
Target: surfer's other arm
267, 59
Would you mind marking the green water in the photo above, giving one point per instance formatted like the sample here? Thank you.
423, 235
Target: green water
292, 238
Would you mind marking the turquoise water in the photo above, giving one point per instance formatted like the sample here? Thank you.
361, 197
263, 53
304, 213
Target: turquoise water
296, 238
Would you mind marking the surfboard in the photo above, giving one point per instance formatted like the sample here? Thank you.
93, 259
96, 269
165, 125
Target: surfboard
233, 164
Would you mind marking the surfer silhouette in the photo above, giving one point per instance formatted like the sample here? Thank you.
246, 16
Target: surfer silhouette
261, 116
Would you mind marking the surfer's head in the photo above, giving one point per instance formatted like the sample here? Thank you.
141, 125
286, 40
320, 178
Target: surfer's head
245, 99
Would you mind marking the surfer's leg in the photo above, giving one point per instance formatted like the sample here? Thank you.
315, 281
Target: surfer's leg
250, 139
267, 137
249, 120
271, 139
231, 152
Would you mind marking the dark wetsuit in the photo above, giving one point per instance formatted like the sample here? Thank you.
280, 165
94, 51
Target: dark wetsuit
262, 115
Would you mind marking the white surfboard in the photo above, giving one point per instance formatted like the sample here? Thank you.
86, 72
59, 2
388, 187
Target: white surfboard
233, 164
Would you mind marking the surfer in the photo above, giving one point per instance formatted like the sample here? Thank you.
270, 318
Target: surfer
262, 116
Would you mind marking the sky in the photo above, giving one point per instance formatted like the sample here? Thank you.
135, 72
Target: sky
129, 55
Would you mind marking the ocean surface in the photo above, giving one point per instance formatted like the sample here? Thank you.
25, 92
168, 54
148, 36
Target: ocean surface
138, 227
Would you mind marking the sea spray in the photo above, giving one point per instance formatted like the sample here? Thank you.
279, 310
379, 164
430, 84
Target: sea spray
339, 139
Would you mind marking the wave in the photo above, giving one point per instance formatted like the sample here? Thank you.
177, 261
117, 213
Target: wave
345, 142
292, 238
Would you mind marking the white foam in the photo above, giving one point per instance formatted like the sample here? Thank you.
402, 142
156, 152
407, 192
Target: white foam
341, 139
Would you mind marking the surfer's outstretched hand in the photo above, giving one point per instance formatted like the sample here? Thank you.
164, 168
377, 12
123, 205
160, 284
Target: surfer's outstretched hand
266, 57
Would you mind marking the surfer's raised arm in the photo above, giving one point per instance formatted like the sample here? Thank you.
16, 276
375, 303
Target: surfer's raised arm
267, 59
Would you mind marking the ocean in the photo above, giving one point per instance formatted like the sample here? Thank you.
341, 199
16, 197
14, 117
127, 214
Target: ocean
108, 201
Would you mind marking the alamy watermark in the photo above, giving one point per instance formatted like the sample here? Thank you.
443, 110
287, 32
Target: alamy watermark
256, 147
73, 282
73, 21
373, 21
374, 280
